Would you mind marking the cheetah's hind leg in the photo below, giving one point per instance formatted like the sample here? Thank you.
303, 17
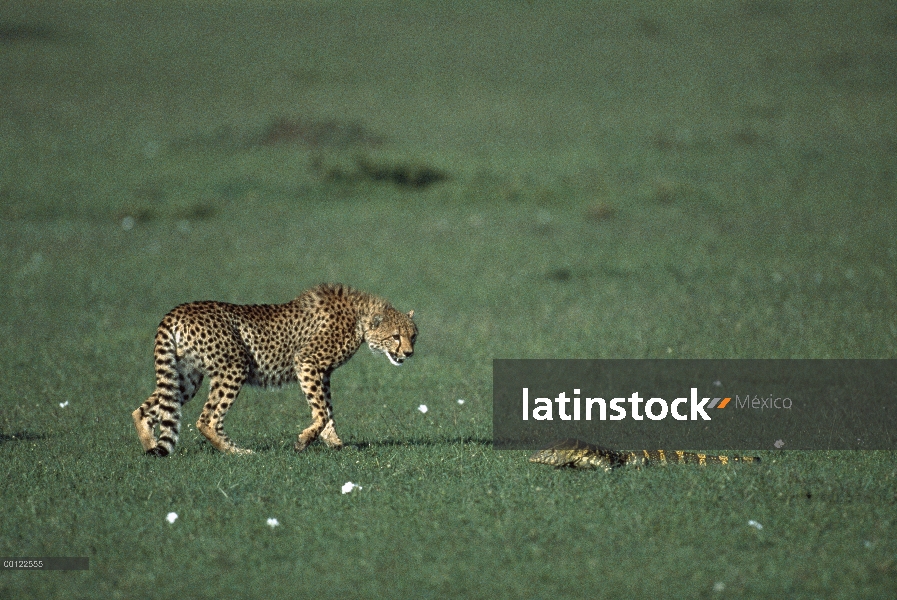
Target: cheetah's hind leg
163, 408
161, 411
164, 412
146, 417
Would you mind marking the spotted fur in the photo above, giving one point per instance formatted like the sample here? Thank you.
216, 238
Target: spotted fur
582, 455
266, 345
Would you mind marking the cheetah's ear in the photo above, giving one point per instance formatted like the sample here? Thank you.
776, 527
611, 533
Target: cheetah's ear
410, 314
376, 320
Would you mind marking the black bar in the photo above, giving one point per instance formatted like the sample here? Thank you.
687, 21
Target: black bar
45, 563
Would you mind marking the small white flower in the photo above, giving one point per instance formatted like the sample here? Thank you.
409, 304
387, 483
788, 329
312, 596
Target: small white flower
349, 486
63, 404
460, 401
272, 523
423, 408
755, 525
172, 517
719, 586
127, 223
718, 383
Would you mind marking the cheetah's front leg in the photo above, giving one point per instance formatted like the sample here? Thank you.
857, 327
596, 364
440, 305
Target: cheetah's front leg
315, 383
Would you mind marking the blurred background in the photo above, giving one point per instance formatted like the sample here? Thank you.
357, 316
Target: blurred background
571, 179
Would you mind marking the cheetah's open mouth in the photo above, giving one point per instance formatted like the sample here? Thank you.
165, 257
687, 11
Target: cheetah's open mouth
393, 358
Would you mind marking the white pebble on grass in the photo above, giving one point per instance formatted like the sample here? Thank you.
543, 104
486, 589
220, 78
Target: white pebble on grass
460, 401
172, 517
63, 404
422, 408
349, 486
272, 523
755, 525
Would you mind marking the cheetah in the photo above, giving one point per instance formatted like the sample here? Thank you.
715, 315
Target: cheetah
266, 345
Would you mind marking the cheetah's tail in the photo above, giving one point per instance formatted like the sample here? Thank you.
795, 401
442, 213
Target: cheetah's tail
163, 408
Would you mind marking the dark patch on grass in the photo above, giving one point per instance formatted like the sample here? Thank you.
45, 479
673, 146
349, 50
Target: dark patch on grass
600, 211
889, 24
682, 277
746, 136
665, 191
601, 272
154, 195
666, 141
649, 28
21, 436
235, 189
11, 33
200, 212
334, 174
561, 275
332, 133
837, 66
858, 70
405, 175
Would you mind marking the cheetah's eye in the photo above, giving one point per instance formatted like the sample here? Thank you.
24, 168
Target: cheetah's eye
397, 337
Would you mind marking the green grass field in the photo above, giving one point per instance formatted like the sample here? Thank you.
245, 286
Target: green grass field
679, 180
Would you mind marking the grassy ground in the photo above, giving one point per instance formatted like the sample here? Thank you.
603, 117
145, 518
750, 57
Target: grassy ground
698, 180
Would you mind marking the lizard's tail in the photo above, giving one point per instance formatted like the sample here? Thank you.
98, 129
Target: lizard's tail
647, 457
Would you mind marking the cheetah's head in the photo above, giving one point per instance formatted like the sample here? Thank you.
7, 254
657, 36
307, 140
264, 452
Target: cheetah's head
393, 333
